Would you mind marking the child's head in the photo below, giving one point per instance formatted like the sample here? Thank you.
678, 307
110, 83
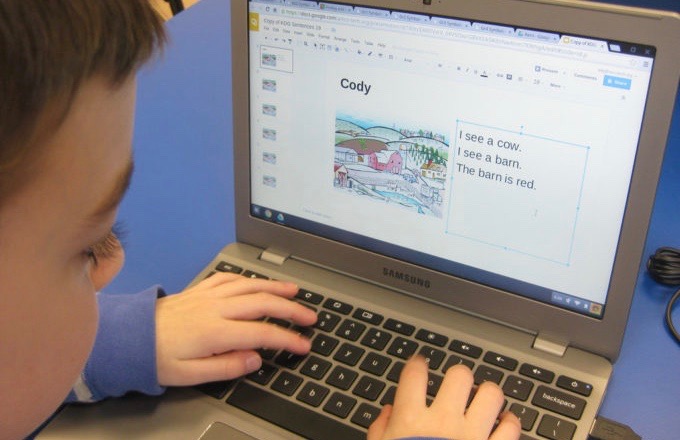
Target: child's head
66, 109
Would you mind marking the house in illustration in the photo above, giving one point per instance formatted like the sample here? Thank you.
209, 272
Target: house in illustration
432, 170
340, 175
389, 161
345, 155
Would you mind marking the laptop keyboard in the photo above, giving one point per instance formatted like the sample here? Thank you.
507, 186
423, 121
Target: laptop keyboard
354, 365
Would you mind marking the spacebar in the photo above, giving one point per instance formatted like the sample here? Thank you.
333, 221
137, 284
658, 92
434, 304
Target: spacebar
289, 415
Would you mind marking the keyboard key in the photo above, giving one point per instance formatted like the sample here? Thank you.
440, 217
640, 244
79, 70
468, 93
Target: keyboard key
286, 383
433, 357
500, 361
366, 316
395, 371
365, 415
310, 297
341, 377
376, 339
403, 348
562, 403
555, 429
484, 373
368, 388
324, 344
455, 360
263, 375
399, 327
251, 274
388, 397
267, 353
288, 360
315, 367
349, 354
350, 329
574, 385
538, 373
375, 364
288, 415
327, 321
340, 405
434, 381
517, 387
338, 306
312, 394
432, 337
464, 348
223, 266
527, 416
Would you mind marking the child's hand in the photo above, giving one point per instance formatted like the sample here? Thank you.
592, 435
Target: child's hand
446, 417
209, 332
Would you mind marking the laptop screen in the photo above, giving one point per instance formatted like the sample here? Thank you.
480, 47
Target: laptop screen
495, 153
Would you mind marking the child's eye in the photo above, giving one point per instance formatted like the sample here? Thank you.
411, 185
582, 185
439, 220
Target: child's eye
106, 247
91, 255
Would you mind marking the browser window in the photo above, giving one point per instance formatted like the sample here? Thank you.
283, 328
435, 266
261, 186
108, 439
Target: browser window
495, 153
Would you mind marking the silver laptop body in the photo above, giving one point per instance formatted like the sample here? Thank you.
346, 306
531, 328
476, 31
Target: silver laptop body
475, 178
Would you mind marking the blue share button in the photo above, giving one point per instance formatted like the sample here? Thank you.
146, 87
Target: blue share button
617, 82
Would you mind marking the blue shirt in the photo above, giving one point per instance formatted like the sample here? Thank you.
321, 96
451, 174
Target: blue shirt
124, 355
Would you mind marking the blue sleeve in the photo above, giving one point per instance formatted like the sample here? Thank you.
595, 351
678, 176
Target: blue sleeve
124, 355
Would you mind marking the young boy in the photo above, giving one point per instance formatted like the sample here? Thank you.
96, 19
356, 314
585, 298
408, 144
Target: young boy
67, 94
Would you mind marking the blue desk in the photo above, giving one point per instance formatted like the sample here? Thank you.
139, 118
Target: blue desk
178, 213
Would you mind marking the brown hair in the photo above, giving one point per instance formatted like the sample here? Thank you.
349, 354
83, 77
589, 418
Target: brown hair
47, 49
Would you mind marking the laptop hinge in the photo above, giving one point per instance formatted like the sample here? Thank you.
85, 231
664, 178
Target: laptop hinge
274, 256
550, 344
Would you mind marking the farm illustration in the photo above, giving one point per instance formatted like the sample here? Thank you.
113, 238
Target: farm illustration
402, 166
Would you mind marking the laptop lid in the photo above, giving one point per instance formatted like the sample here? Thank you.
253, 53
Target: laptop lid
496, 157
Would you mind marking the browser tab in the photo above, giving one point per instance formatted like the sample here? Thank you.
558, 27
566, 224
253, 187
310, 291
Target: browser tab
302, 4
451, 23
584, 43
538, 35
493, 28
370, 12
411, 18
335, 7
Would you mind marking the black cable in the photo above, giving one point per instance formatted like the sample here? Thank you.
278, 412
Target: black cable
669, 318
176, 6
664, 267
606, 429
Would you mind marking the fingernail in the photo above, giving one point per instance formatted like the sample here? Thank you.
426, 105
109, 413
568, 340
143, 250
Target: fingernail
253, 363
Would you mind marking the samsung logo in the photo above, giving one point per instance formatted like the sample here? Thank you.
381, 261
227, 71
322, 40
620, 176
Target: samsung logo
410, 279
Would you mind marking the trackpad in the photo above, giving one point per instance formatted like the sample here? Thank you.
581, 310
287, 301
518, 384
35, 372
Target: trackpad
220, 431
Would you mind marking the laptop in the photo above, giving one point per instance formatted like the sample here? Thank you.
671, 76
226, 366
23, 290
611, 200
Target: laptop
468, 181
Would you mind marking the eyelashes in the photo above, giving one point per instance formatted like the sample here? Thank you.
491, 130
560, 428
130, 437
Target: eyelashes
107, 247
